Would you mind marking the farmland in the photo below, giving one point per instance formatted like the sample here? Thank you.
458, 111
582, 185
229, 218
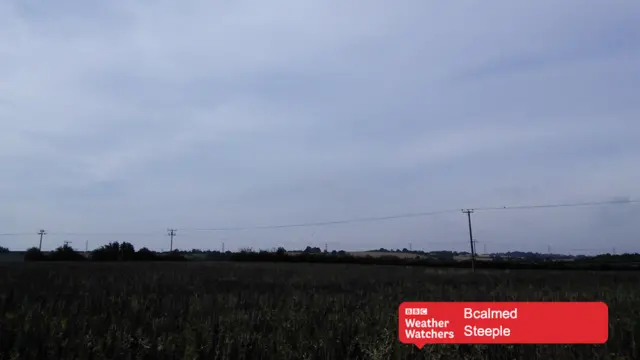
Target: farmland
401, 255
375, 254
222, 310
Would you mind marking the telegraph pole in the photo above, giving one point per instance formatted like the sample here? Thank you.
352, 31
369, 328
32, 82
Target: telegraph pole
224, 240
41, 233
172, 233
473, 252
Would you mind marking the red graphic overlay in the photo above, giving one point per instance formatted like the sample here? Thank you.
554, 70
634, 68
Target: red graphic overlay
422, 323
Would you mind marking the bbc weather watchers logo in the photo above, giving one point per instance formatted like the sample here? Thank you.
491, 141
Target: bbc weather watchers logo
416, 311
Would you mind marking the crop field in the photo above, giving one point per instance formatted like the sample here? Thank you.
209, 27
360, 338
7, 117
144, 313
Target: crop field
376, 254
276, 311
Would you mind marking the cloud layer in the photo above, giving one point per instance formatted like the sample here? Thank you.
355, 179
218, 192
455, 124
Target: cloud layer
132, 117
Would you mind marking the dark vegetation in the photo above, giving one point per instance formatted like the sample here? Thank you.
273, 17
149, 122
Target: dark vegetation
515, 260
223, 310
112, 252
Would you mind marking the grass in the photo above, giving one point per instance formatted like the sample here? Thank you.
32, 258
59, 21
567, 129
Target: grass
276, 311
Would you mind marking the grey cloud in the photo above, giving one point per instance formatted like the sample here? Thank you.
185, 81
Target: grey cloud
144, 116
598, 38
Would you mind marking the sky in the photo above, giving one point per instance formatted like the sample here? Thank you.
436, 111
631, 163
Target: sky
121, 119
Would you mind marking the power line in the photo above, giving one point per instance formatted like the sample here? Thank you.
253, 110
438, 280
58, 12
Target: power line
547, 206
106, 234
326, 223
87, 234
417, 214
346, 221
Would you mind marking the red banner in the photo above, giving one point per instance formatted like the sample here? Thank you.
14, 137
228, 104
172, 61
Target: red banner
422, 323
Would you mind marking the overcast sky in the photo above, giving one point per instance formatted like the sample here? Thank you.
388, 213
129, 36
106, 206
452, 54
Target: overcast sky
135, 116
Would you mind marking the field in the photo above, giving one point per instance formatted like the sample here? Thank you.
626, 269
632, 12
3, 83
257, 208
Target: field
381, 254
402, 255
276, 311
375, 254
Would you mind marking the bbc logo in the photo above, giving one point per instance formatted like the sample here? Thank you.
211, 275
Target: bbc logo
416, 311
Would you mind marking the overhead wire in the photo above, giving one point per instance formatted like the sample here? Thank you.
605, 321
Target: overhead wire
547, 206
416, 214
344, 221
85, 234
325, 223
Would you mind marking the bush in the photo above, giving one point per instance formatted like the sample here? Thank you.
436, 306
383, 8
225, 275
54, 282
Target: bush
114, 252
34, 254
145, 254
65, 253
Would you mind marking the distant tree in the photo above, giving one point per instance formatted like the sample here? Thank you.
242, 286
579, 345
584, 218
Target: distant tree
34, 254
312, 250
127, 251
109, 252
281, 251
4, 249
114, 251
65, 253
145, 254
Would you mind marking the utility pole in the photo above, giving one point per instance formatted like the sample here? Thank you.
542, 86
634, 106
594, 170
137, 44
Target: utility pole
223, 247
410, 247
325, 247
473, 251
41, 233
172, 233
484, 247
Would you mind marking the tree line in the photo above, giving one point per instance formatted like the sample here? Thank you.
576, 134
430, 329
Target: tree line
125, 251
114, 251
